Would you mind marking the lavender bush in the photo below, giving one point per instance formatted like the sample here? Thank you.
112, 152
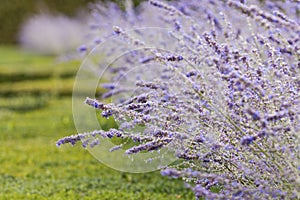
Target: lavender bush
49, 34
223, 96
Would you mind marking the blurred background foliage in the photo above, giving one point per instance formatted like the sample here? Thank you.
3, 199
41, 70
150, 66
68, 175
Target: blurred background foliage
14, 12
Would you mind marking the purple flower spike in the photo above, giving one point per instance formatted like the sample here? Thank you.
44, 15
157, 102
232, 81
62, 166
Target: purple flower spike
82, 48
171, 173
247, 140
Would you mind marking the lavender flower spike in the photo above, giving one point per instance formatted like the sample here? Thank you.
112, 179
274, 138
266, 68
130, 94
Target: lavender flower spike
73, 139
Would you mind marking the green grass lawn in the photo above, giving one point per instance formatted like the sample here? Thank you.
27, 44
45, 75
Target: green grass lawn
35, 111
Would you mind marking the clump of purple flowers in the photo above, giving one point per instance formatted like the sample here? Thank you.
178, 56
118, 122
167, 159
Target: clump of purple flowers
225, 97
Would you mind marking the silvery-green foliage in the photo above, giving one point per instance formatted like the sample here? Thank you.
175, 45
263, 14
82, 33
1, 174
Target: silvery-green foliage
224, 97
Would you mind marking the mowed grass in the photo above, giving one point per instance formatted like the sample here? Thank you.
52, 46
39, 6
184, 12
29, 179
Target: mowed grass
32, 167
